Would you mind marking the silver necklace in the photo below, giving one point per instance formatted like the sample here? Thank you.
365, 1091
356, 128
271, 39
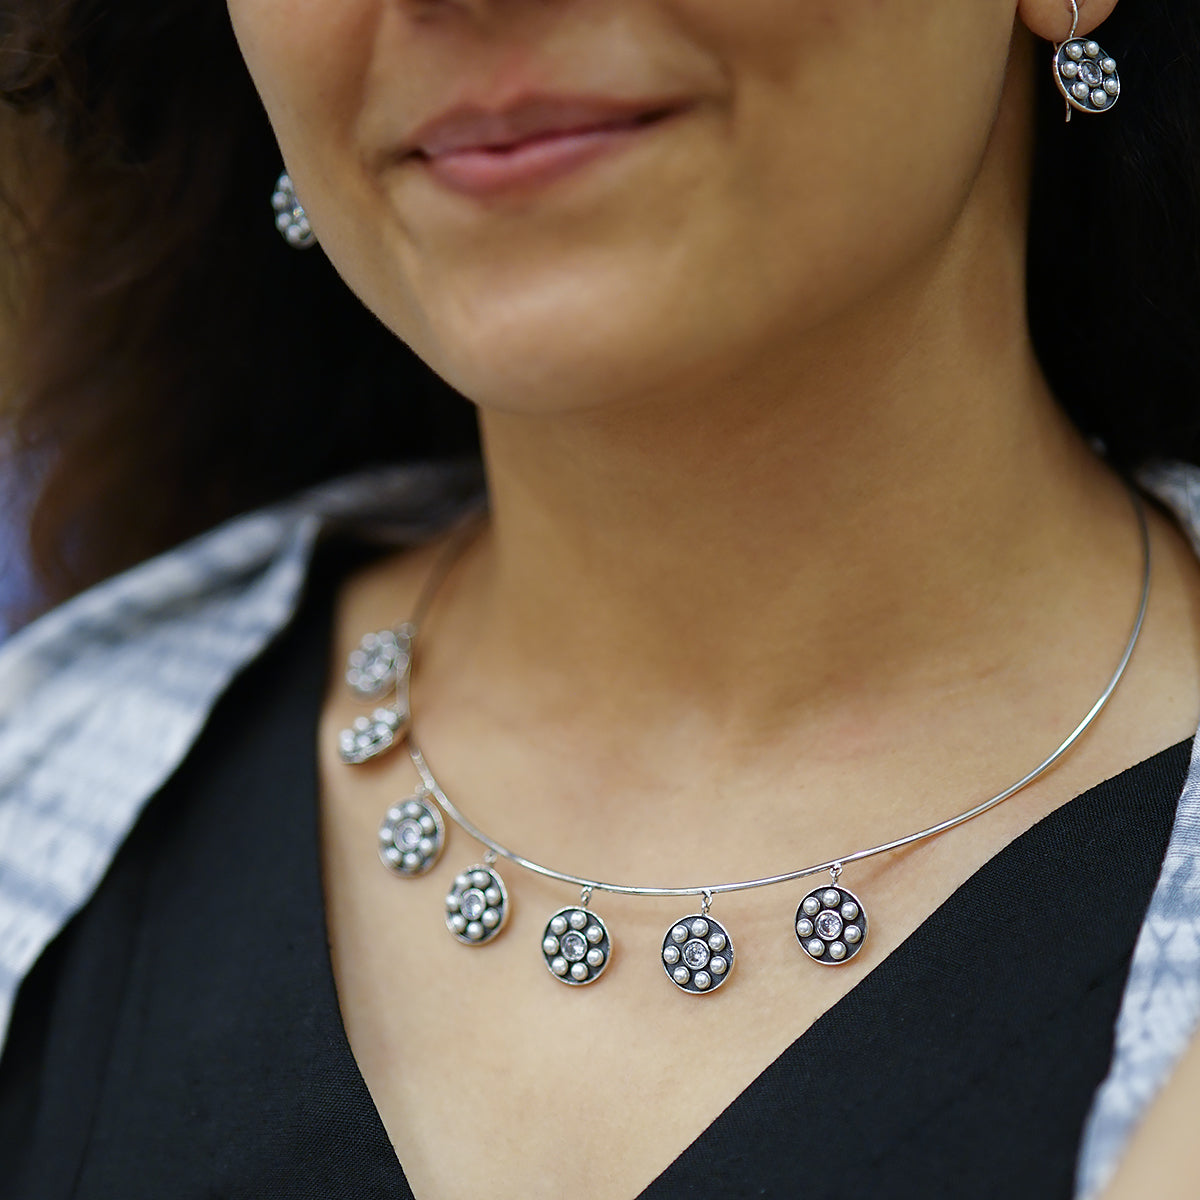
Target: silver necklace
830, 922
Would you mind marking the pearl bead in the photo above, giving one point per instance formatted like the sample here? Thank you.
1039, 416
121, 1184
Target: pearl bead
490, 918
679, 933
681, 975
461, 882
492, 896
811, 905
837, 951
849, 910
699, 928
425, 846
1080, 91
1075, 51
1112, 87
550, 945
1070, 70
1108, 66
1092, 49
481, 879
852, 933
577, 920
671, 955
412, 861
702, 980
831, 897
559, 966
718, 966
595, 958
594, 934
392, 854
804, 927
1100, 98
558, 925
475, 931
457, 923
579, 972
427, 823
816, 947
717, 941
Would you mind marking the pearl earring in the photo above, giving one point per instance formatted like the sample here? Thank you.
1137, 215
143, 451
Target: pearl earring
290, 218
1086, 76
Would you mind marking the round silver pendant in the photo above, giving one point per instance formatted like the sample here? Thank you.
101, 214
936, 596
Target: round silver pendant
697, 954
576, 946
373, 665
477, 905
371, 736
412, 835
1086, 76
831, 925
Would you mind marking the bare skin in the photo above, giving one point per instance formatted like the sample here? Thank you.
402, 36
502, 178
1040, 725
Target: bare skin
789, 539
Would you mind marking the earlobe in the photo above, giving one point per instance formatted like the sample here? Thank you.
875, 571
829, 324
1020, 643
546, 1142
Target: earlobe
1051, 19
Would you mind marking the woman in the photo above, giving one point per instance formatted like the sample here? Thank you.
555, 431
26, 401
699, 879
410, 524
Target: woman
791, 552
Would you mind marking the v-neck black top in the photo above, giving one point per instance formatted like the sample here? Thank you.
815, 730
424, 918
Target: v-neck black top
181, 1038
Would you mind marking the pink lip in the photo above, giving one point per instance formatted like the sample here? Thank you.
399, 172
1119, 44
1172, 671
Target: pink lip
483, 153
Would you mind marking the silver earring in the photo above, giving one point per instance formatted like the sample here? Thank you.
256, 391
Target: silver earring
1086, 76
290, 218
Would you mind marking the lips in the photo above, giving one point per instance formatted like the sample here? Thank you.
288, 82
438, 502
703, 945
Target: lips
483, 152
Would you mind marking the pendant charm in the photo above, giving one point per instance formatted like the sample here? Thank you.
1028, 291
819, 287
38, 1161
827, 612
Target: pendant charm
477, 905
412, 835
697, 954
576, 945
1086, 76
831, 925
372, 668
371, 736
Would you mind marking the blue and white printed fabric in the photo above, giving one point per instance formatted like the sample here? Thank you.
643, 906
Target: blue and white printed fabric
101, 699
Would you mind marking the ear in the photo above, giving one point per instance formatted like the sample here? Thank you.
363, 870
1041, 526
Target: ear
1051, 19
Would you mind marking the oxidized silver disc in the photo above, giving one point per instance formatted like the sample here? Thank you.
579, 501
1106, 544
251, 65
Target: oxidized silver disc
576, 946
831, 925
372, 668
370, 736
412, 835
1086, 76
697, 954
477, 905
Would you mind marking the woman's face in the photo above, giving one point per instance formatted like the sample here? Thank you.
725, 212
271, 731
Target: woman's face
559, 202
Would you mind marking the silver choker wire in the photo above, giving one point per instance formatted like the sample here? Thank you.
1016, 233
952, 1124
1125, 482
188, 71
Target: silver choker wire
830, 922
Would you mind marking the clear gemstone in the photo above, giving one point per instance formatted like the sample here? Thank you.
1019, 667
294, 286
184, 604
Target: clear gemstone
473, 904
574, 947
408, 834
1090, 73
829, 925
695, 954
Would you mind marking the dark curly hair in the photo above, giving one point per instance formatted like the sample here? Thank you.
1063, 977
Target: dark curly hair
175, 363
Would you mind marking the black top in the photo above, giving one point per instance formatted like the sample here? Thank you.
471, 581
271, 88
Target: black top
181, 1038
